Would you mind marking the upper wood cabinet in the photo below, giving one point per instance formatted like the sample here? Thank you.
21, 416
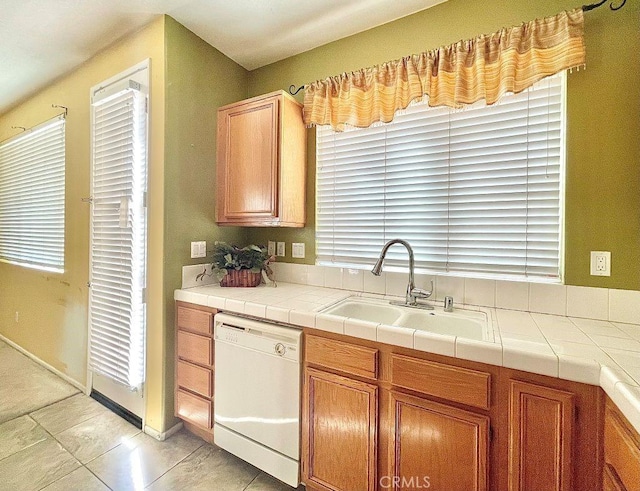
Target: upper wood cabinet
261, 162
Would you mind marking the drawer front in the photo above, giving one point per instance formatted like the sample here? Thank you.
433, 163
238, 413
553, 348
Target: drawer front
196, 379
346, 357
194, 409
195, 320
456, 384
195, 348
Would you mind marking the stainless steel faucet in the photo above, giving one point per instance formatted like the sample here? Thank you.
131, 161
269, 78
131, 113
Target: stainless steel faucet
413, 293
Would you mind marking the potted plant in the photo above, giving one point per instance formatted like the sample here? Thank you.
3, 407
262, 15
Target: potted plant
240, 267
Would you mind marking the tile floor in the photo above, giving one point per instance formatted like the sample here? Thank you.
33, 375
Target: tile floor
54, 438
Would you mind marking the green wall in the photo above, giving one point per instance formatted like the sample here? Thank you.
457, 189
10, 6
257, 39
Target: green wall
199, 79
603, 154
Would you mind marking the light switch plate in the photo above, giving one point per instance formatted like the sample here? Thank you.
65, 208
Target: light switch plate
297, 250
600, 263
199, 249
281, 249
271, 248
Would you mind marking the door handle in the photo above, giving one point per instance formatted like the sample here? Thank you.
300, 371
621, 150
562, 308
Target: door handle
124, 212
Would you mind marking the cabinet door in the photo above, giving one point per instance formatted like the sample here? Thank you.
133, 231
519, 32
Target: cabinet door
610, 480
436, 446
621, 450
540, 438
339, 433
248, 161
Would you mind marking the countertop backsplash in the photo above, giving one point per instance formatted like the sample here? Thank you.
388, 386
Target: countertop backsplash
544, 298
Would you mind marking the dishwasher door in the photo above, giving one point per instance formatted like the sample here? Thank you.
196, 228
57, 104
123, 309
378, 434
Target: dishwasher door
257, 393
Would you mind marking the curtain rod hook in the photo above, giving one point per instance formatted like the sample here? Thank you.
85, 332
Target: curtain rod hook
619, 6
66, 109
294, 91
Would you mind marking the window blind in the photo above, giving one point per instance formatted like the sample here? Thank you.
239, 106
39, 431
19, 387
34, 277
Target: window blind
118, 237
474, 191
32, 178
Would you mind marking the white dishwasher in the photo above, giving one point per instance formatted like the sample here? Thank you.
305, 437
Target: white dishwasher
257, 394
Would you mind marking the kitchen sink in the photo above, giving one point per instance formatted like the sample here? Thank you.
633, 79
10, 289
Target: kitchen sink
366, 310
465, 323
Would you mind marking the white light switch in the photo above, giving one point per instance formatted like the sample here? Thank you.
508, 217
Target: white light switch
199, 249
297, 250
600, 263
271, 248
281, 249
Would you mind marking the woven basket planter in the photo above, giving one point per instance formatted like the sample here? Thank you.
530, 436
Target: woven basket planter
241, 278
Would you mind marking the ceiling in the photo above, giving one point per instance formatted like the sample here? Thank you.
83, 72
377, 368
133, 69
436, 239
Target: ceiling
44, 39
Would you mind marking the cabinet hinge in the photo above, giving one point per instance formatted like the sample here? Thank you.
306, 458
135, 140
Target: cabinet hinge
144, 199
144, 295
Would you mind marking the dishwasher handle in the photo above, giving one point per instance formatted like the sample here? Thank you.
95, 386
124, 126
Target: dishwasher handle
267, 329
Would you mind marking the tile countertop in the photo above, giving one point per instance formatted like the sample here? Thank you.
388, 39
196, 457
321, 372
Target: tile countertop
582, 350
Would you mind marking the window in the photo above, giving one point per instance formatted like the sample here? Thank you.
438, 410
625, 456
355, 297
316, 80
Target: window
32, 170
475, 191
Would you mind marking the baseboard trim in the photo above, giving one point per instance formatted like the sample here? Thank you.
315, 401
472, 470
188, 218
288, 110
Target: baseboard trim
44, 364
162, 436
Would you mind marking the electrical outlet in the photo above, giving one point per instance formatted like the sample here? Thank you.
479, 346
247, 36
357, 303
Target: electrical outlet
199, 249
271, 248
281, 249
297, 250
600, 263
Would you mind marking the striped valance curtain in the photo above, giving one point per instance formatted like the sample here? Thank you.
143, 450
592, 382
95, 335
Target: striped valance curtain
483, 68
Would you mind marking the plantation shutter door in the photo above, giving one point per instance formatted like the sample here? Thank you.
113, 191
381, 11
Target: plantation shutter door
32, 175
118, 237
475, 191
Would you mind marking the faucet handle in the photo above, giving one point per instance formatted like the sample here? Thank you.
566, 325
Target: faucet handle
420, 293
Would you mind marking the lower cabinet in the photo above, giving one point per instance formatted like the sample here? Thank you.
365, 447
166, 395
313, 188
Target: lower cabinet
428, 444
611, 481
339, 434
380, 417
540, 438
621, 452
194, 368
436, 446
